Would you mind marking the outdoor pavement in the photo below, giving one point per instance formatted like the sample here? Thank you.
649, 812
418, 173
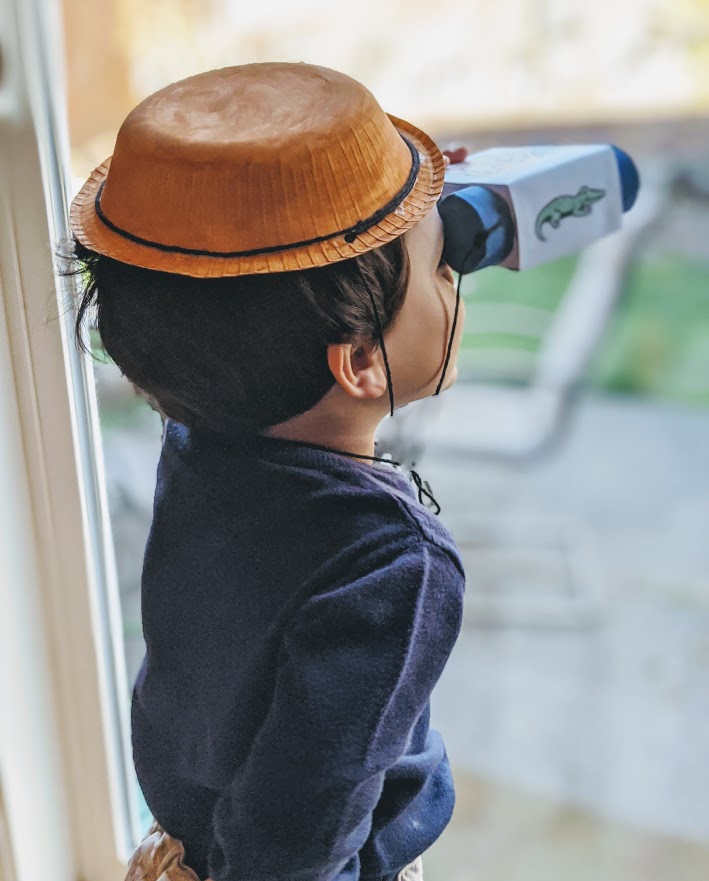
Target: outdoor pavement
579, 743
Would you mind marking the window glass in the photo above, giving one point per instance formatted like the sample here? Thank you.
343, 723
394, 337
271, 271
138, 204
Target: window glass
570, 458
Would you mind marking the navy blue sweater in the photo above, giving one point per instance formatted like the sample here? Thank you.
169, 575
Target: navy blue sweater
298, 607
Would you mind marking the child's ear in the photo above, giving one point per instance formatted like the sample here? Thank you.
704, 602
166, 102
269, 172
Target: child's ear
358, 368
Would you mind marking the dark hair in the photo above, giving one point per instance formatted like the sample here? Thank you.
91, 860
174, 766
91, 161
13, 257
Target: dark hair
238, 353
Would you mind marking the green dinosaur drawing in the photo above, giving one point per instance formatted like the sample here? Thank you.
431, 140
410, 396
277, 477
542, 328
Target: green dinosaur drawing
567, 206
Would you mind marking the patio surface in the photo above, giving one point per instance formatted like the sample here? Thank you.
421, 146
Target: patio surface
580, 750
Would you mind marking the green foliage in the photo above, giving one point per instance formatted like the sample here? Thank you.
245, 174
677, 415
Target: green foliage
501, 353
542, 286
657, 342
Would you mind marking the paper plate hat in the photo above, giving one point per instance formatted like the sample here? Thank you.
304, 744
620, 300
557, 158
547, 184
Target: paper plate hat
265, 167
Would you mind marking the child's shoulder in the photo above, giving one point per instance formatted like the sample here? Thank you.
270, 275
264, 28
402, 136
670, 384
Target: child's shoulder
380, 503
311, 495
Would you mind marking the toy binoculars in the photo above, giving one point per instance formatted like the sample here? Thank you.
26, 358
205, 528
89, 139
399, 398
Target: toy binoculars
521, 206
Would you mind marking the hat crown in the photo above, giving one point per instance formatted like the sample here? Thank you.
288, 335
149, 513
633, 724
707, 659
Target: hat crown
257, 105
254, 156
257, 168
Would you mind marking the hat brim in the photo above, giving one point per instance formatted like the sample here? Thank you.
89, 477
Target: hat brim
92, 232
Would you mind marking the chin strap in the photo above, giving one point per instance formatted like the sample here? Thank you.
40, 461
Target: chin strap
450, 341
380, 337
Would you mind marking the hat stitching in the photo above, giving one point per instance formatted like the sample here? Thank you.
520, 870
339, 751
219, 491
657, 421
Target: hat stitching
350, 233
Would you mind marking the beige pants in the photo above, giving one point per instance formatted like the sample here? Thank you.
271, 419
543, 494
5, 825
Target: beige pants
412, 872
160, 857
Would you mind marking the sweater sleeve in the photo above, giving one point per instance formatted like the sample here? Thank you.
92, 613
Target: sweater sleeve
356, 669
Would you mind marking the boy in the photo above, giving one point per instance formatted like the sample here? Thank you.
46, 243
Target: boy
259, 234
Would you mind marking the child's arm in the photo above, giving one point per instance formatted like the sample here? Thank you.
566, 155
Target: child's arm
356, 670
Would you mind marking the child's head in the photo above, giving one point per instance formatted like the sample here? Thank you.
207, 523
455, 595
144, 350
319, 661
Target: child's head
252, 347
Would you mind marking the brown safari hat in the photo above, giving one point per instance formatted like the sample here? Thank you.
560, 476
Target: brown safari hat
264, 167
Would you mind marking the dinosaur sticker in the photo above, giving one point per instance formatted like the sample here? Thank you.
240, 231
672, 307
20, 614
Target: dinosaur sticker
567, 206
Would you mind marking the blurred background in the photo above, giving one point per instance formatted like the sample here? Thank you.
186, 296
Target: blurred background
571, 459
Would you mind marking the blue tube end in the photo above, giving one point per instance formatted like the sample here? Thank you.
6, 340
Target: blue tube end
629, 177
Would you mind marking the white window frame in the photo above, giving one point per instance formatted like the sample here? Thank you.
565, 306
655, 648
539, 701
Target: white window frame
65, 763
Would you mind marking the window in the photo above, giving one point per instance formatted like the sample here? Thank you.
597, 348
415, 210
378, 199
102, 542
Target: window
575, 692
